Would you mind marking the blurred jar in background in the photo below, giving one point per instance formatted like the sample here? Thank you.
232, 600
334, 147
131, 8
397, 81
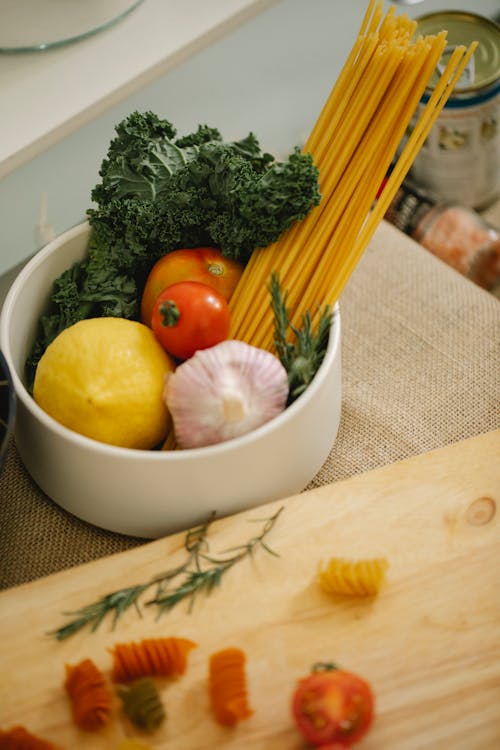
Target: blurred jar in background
460, 159
456, 234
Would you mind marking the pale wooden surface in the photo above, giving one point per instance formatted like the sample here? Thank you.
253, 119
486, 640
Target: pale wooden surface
428, 644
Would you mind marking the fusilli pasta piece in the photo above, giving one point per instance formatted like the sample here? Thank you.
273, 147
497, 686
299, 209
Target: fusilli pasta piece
353, 578
151, 657
228, 687
142, 704
89, 695
18, 738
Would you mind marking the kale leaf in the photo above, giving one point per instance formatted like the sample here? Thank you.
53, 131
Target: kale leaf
159, 192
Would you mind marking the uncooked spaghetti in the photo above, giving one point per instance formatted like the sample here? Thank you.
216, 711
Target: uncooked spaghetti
353, 143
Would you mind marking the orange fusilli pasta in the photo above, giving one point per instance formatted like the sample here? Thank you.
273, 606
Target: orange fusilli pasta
18, 738
165, 657
228, 688
89, 695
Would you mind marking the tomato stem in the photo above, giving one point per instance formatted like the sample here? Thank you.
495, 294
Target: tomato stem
324, 666
216, 269
169, 313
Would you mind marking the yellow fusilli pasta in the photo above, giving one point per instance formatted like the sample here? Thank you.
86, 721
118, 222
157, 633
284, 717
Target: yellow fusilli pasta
353, 578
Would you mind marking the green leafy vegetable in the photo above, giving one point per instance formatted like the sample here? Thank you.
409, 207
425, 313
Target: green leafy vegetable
302, 358
159, 193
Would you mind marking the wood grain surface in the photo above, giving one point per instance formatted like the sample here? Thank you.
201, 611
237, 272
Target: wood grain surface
429, 643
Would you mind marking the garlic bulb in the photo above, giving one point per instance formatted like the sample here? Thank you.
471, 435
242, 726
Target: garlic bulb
223, 392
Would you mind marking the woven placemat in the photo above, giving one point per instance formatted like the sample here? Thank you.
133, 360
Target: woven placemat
421, 359
421, 364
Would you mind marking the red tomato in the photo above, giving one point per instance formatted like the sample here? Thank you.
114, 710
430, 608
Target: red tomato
189, 316
204, 264
333, 708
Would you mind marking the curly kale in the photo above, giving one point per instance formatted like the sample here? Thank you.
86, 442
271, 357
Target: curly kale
159, 192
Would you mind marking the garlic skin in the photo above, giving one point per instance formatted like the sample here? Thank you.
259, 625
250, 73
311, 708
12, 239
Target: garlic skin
223, 392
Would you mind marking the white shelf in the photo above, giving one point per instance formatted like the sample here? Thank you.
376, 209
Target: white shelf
48, 95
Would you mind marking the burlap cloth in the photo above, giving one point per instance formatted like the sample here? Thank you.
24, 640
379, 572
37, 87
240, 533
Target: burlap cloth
421, 366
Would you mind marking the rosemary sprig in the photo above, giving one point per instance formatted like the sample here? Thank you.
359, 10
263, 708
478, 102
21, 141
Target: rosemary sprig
93, 614
117, 602
205, 580
195, 579
303, 358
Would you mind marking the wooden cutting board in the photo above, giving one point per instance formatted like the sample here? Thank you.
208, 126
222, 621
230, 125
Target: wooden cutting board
429, 643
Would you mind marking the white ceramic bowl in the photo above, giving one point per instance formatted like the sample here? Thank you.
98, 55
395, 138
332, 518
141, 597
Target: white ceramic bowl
153, 493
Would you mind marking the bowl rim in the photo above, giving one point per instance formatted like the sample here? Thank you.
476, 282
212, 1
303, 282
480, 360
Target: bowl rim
186, 454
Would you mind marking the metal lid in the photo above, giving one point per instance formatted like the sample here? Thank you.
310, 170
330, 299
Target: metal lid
465, 28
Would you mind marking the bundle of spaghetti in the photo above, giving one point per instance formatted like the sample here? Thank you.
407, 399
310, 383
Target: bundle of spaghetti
353, 144
89, 695
142, 704
160, 657
264, 259
228, 686
18, 738
353, 249
349, 107
353, 578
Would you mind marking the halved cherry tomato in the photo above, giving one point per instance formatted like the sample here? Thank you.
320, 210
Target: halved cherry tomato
204, 264
333, 708
189, 316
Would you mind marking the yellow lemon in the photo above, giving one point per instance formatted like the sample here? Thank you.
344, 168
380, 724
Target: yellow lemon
104, 378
